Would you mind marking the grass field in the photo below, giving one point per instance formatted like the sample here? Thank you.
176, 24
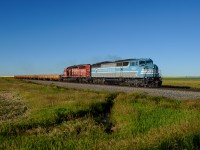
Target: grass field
49, 117
190, 82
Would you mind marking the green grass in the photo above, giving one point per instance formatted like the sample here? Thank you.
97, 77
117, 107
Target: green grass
58, 118
189, 82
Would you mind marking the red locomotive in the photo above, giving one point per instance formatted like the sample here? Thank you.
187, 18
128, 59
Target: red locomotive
78, 73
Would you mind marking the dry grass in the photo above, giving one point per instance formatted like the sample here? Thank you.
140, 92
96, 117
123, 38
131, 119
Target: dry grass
80, 119
193, 83
10, 106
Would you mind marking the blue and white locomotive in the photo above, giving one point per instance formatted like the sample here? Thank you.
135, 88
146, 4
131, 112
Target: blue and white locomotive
133, 72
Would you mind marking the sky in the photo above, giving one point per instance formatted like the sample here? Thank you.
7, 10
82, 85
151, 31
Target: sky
45, 36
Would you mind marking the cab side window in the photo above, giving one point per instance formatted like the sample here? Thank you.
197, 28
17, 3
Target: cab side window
125, 63
134, 63
119, 64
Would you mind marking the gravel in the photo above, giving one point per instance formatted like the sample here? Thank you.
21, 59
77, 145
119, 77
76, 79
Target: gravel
175, 94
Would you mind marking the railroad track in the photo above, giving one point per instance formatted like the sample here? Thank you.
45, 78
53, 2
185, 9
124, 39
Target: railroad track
170, 92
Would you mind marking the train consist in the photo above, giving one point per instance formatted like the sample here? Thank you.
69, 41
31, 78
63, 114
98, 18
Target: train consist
131, 72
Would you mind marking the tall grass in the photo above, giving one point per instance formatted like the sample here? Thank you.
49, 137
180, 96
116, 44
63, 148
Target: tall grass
189, 82
58, 118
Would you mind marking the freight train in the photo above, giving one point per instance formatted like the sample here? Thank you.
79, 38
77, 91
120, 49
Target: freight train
131, 72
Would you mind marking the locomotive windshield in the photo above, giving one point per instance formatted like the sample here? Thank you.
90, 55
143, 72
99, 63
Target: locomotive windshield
142, 63
149, 62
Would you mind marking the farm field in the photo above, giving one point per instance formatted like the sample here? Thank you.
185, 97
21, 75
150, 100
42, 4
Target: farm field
34, 116
190, 82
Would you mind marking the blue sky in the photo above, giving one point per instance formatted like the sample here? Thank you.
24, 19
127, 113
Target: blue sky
44, 36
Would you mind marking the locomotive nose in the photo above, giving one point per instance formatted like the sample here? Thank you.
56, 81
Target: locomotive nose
152, 66
155, 66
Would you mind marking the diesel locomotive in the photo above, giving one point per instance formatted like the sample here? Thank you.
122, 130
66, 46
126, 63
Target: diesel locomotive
131, 72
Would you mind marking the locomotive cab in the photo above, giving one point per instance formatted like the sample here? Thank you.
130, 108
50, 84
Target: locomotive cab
148, 69
150, 72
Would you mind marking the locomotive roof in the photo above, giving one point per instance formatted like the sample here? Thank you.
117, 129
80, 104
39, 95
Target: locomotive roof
103, 62
122, 60
125, 60
75, 66
132, 59
106, 62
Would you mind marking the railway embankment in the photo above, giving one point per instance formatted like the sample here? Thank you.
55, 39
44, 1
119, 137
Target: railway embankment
169, 93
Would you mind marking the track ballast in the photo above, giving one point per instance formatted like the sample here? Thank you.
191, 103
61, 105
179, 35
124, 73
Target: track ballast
175, 93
